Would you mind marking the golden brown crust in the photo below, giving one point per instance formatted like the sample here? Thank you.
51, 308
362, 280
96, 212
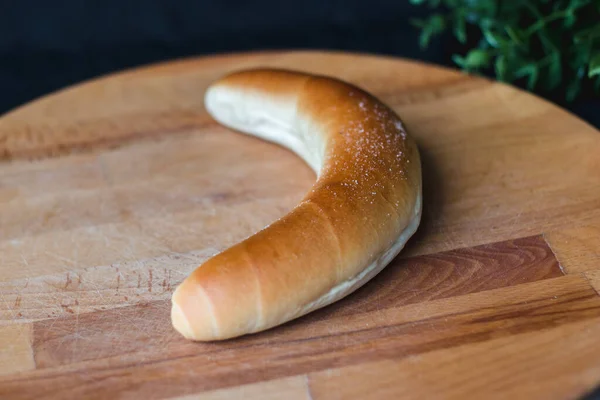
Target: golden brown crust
358, 214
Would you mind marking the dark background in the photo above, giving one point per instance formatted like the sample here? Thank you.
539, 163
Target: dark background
46, 45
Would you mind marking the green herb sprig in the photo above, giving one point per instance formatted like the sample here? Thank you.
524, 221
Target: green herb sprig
552, 46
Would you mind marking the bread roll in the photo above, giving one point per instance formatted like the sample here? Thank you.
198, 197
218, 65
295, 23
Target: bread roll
364, 206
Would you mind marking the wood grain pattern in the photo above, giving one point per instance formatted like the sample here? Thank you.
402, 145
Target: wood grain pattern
113, 190
16, 354
594, 279
525, 366
294, 388
453, 273
162, 365
406, 281
577, 249
159, 205
96, 288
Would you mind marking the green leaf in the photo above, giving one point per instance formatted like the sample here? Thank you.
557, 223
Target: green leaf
533, 9
458, 60
546, 39
477, 58
569, 19
597, 84
432, 26
437, 23
550, 44
501, 67
531, 71
575, 4
460, 29
573, 90
533, 78
494, 39
554, 72
472, 17
557, 5
582, 56
424, 39
594, 67
514, 35
587, 34
486, 23
487, 8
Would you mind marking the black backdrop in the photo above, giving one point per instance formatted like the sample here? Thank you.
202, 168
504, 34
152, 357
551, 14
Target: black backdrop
46, 45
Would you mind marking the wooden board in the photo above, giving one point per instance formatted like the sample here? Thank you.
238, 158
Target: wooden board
114, 190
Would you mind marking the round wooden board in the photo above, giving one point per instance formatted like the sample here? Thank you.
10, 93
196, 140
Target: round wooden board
112, 191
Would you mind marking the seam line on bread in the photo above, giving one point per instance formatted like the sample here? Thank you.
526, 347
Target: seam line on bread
260, 298
333, 233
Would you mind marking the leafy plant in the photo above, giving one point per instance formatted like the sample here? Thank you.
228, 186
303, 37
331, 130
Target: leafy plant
550, 46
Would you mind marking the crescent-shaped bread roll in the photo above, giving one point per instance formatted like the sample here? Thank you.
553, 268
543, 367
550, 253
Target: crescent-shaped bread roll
364, 206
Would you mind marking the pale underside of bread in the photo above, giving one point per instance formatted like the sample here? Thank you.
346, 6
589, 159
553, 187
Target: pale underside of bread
363, 208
